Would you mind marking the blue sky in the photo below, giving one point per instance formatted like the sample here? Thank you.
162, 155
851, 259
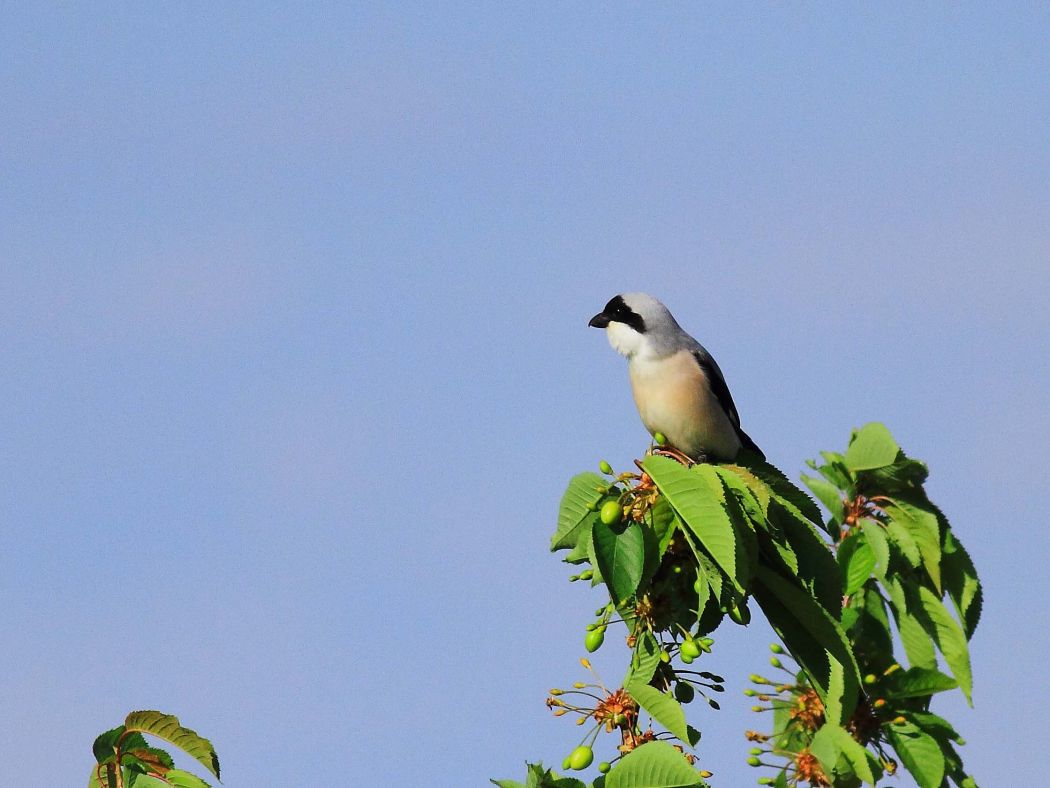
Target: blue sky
294, 308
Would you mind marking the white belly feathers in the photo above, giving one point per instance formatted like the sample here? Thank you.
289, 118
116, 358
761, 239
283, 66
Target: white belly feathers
673, 397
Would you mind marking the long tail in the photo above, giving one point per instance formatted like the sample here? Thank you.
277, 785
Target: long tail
749, 444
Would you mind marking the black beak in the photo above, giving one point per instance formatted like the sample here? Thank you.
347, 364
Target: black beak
600, 320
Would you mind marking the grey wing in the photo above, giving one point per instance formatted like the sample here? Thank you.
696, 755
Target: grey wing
725, 399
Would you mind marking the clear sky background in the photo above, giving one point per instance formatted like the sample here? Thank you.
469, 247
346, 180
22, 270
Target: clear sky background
293, 303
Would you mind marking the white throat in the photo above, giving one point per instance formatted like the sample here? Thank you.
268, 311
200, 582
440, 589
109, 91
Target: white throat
625, 340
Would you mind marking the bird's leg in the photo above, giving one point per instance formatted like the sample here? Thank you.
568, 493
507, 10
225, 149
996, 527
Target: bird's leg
675, 454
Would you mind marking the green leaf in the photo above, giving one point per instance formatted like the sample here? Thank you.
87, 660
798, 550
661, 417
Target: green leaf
924, 530
857, 560
938, 727
645, 659
699, 498
167, 727
871, 447
802, 623
918, 683
828, 494
830, 742
950, 640
577, 505
787, 493
901, 537
181, 779
655, 764
620, 557
663, 707
875, 536
920, 753
871, 634
961, 583
103, 776
916, 640
817, 567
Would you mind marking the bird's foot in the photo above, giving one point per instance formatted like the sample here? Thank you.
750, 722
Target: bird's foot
675, 454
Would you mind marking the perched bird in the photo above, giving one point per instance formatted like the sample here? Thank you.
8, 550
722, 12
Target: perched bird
678, 387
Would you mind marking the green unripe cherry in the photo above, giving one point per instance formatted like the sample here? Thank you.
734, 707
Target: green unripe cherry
594, 640
604, 767
660, 439
753, 761
581, 757
684, 692
739, 613
870, 678
776, 648
611, 512
690, 649
776, 663
605, 468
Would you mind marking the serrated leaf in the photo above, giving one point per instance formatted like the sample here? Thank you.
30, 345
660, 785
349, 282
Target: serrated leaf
961, 583
918, 683
817, 567
920, 753
655, 764
787, 493
577, 504
857, 560
620, 558
875, 536
801, 623
699, 498
183, 779
918, 644
938, 727
645, 659
663, 707
872, 447
924, 530
950, 640
828, 494
168, 728
871, 634
901, 537
831, 741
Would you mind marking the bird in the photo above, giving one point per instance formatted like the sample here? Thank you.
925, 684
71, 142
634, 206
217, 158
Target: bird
678, 388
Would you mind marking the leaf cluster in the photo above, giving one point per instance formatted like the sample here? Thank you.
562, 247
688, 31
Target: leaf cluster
681, 547
125, 759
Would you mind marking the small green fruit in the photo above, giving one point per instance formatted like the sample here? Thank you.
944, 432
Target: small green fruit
665, 657
684, 692
690, 649
739, 613
605, 468
604, 767
753, 761
755, 751
776, 648
686, 659
611, 512
581, 757
660, 439
565, 763
776, 663
594, 640
871, 678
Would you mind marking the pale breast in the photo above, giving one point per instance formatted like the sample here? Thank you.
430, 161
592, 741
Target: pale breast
673, 397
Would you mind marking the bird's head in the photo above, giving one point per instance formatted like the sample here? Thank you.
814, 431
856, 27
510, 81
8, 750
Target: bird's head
636, 324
